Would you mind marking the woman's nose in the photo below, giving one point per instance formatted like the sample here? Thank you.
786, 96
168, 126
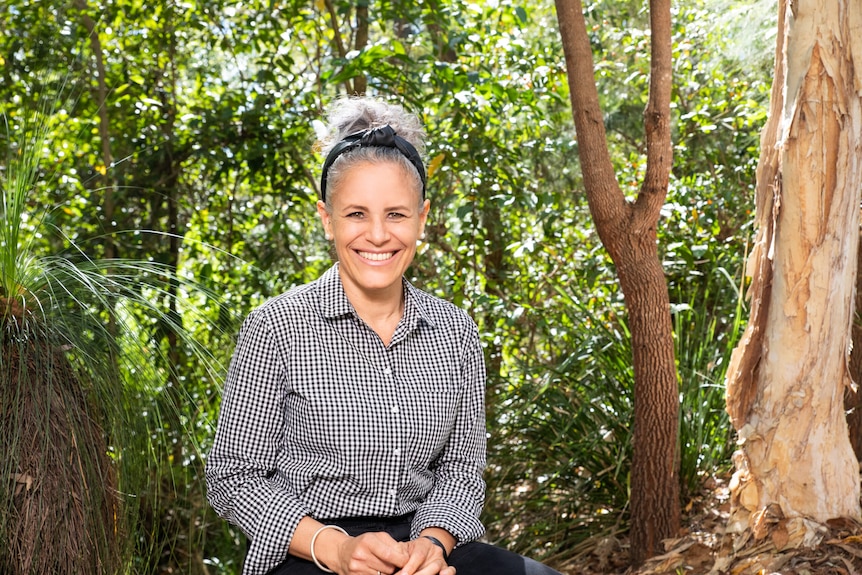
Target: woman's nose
377, 232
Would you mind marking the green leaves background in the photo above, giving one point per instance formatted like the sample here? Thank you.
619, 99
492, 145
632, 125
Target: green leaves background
210, 183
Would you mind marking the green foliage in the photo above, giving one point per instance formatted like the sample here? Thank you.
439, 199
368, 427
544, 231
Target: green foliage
562, 442
210, 180
705, 338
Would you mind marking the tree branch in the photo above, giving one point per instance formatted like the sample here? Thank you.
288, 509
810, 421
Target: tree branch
657, 119
607, 201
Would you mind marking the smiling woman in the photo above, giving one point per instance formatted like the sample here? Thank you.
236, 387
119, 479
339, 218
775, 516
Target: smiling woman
352, 432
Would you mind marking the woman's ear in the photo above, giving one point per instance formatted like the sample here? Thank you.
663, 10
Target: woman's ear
325, 219
423, 217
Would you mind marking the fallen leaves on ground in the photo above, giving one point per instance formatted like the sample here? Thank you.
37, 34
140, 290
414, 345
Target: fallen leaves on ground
703, 549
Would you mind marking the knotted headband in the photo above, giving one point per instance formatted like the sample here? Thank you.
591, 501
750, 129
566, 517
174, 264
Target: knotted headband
383, 137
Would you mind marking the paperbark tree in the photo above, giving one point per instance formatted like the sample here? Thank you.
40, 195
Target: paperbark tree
628, 232
786, 379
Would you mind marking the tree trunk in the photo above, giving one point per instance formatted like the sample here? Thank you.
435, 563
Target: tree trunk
786, 379
341, 50
628, 232
360, 82
101, 95
58, 514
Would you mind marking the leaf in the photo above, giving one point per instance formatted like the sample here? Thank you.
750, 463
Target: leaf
780, 536
435, 163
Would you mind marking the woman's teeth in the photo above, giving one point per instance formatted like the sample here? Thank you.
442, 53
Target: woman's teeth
377, 257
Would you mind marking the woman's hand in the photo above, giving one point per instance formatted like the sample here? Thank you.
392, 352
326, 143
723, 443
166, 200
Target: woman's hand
425, 559
370, 554
336, 550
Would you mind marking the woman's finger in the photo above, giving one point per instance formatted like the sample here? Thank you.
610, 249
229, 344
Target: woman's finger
373, 552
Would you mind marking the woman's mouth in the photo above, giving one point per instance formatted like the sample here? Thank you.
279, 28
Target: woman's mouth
376, 257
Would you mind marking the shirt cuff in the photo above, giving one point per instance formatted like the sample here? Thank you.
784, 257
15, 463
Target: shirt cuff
464, 527
273, 533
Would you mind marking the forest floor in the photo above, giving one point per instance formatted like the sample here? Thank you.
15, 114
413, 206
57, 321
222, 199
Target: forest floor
701, 548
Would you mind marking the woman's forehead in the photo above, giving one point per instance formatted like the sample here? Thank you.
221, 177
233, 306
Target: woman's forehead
386, 179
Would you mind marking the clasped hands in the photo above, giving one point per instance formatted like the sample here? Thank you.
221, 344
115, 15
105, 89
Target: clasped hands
377, 553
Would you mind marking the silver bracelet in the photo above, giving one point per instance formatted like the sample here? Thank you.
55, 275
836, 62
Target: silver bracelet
314, 538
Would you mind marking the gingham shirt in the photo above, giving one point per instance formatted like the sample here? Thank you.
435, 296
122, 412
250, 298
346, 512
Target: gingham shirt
319, 418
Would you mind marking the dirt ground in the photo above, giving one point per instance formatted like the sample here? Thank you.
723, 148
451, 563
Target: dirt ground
702, 548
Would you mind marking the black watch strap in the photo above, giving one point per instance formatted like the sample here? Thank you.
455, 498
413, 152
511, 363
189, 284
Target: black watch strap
442, 547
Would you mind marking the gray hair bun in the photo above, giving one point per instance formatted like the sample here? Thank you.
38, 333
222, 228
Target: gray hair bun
348, 116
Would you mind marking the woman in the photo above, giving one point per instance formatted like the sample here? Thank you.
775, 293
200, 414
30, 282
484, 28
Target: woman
352, 435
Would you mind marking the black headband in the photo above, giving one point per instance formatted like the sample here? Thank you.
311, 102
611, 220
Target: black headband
383, 137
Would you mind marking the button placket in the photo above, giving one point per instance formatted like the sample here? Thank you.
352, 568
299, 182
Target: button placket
393, 394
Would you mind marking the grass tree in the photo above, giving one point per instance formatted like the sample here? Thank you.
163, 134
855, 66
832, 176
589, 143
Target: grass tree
81, 384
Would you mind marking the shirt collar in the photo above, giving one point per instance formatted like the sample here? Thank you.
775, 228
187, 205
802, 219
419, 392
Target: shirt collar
334, 302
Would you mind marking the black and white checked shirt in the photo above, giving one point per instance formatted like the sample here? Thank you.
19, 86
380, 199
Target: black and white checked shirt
320, 418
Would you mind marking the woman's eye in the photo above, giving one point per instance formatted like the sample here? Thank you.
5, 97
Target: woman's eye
396, 216
355, 215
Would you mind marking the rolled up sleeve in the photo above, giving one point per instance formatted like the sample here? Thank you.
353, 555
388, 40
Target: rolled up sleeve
455, 502
242, 484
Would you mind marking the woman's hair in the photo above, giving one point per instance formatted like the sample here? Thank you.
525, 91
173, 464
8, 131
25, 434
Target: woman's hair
348, 116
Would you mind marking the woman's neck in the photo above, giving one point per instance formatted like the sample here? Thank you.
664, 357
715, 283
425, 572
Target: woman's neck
381, 311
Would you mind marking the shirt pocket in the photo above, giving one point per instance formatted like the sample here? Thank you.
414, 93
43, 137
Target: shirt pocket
435, 397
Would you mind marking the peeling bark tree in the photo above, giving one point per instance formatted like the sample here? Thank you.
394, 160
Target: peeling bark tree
786, 379
628, 232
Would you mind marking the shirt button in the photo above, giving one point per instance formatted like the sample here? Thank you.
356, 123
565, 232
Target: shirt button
387, 371
394, 409
396, 451
392, 492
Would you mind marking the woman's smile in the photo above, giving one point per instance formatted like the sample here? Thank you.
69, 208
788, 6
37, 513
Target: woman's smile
376, 257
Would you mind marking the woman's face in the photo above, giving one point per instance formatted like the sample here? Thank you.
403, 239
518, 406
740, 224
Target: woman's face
375, 222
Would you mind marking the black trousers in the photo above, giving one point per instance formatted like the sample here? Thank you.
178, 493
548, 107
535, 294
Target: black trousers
474, 558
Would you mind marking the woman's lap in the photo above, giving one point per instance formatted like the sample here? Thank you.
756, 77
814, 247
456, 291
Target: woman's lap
478, 558
473, 558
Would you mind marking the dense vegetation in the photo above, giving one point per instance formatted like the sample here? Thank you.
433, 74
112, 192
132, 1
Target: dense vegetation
176, 147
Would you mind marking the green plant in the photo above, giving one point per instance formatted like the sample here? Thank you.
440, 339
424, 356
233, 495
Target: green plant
561, 444
91, 411
705, 332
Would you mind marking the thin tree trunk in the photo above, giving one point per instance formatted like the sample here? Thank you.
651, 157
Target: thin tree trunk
786, 379
443, 49
168, 188
628, 232
104, 124
336, 36
360, 83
